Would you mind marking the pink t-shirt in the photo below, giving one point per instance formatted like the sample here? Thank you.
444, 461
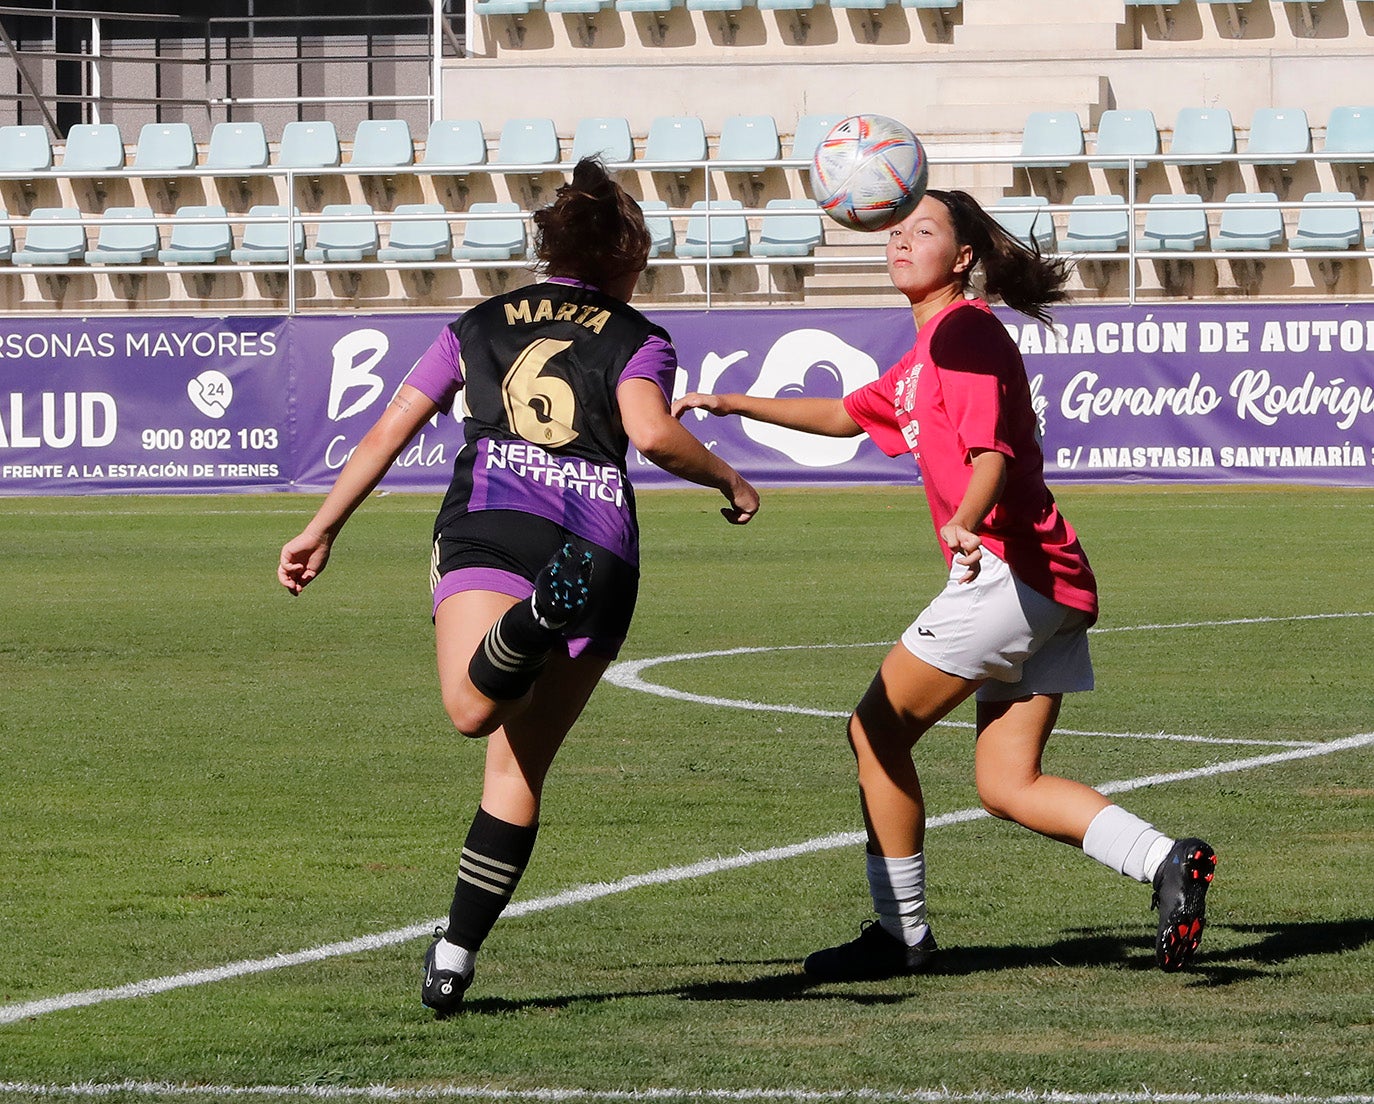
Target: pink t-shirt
963, 387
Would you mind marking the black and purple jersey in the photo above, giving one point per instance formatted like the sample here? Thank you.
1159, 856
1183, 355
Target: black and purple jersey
539, 368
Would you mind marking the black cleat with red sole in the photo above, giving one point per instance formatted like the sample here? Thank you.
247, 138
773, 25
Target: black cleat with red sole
1181, 885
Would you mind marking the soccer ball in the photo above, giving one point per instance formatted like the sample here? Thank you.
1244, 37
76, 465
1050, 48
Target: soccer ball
869, 172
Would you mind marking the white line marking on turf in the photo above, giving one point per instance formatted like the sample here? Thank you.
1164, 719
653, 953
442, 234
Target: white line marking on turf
820, 1096
12, 1013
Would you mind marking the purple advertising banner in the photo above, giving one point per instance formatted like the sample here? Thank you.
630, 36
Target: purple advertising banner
1210, 393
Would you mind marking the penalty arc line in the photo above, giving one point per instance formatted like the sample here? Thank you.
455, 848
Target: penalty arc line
13, 1013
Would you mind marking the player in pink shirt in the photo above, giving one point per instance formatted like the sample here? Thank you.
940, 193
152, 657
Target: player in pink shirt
1011, 624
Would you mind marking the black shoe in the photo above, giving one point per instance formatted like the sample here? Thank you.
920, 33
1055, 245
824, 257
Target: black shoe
562, 588
1181, 897
442, 989
873, 956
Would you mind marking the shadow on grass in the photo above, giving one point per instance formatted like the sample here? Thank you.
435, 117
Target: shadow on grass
1262, 946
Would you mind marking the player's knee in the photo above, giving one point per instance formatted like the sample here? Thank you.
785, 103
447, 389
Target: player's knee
471, 714
998, 798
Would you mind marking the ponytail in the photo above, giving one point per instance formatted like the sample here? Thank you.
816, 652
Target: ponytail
593, 231
1021, 277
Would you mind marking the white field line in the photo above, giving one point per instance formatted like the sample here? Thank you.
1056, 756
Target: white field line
12, 1013
160, 1089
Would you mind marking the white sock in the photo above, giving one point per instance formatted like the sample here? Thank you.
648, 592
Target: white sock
450, 956
1127, 844
898, 887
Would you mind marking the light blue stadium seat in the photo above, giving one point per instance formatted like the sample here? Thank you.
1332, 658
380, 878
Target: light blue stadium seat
382, 144
200, 242
719, 5
345, 241
493, 239
459, 143
1350, 130
605, 137
675, 138
1243, 227
6, 237
752, 138
1279, 132
867, 5
1327, 227
93, 147
718, 235
1174, 224
528, 142
1203, 132
809, 131
166, 147
662, 237
309, 145
52, 237
25, 149
787, 5
1033, 228
1097, 224
931, 5
121, 242
425, 239
789, 235
1052, 134
1123, 133
265, 240
647, 5
506, 7
237, 146
576, 7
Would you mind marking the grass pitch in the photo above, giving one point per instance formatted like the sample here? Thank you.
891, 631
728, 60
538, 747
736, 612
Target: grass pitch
201, 770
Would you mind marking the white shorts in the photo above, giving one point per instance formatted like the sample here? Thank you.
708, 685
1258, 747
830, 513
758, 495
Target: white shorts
998, 629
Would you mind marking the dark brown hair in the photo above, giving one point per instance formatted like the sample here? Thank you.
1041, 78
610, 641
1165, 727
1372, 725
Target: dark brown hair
593, 231
1021, 277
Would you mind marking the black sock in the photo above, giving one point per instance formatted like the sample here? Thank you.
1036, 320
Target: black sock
512, 654
494, 856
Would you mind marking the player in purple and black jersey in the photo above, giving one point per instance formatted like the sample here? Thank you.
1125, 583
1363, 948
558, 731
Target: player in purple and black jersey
536, 546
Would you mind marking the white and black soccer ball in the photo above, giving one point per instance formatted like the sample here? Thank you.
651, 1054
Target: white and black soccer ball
869, 172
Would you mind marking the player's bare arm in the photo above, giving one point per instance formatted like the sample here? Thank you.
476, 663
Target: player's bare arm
826, 417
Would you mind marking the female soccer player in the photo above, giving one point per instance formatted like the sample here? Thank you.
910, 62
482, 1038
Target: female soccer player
1011, 623
536, 546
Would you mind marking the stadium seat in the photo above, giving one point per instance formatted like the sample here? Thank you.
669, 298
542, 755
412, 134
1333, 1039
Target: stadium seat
52, 237
1245, 228
661, 235
265, 240
1203, 132
237, 146
1325, 228
382, 144
6, 237
647, 5
931, 5
1350, 130
1031, 227
418, 239
1281, 133
93, 147
24, 149
789, 235
505, 7
121, 242
809, 131
575, 7
675, 139
604, 137
1174, 224
786, 5
865, 5
710, 235
309, 145
345, 241
527, 142
1052, 134
1097, 224
1126, 133
752, 138
459, 143
493, 239
198, 242
719, 5
166, 147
